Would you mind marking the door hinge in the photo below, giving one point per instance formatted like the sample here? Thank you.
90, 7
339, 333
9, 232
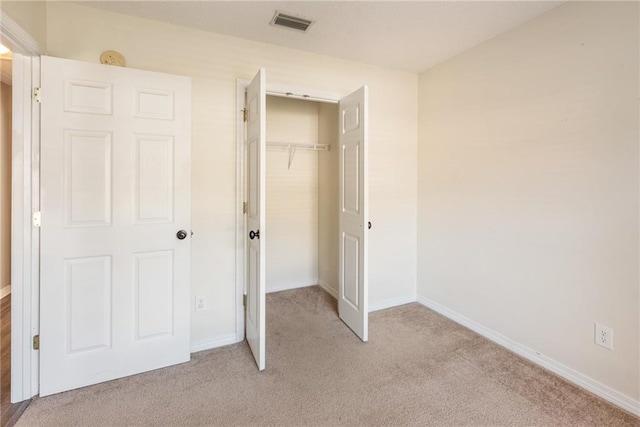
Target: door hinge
37, 219
245, 114
36, 342
245, 207
37, 97
244, 300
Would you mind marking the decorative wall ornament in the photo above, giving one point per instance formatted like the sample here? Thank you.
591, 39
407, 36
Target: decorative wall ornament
111, 57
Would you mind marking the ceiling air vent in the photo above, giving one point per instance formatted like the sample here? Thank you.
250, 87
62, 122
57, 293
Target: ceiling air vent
292, 22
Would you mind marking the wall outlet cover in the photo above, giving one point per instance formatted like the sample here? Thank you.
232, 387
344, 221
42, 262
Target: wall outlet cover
604, 336
201, 303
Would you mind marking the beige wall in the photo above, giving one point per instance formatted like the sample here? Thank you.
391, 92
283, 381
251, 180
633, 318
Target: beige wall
5, 185
528, 187
292, 195
30, 15
214, 62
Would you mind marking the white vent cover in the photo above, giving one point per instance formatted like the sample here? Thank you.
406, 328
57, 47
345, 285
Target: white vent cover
281, 19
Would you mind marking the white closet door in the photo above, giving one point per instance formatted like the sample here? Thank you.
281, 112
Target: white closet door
353, 204
115, 194
256, 217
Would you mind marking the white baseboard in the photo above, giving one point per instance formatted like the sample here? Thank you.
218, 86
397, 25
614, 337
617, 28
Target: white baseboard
5, 291
214, 343
393, 302
331, 291
289, 287
577, 378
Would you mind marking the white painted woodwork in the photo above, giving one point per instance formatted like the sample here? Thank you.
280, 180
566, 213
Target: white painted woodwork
153, 279
256, 217
88, 297
87, 178
154, 185
25, 239
353, 210
88, 97
154, 104
115, 280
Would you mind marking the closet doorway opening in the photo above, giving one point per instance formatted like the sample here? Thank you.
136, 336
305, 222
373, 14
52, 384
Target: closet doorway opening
302, 202
301, 195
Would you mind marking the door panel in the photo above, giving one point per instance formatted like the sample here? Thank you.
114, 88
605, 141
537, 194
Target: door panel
115, 189
351, 249
154, 178
154, 286
154, 103
353, 281
87, 178
88, 296
88, 97
256, 217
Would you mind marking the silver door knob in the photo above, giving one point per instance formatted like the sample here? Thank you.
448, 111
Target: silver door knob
181, 235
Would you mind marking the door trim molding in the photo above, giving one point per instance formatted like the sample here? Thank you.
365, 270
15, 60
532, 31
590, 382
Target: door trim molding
333, 291
17, 39
25, 239
273, 89
382, 305
25, 199
241, 88
215, 342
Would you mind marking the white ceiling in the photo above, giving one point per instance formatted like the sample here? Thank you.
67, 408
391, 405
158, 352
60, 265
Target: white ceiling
407, 35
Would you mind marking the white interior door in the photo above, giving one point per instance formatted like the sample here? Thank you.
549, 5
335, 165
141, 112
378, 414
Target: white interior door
353, 306
115, 191
256, 216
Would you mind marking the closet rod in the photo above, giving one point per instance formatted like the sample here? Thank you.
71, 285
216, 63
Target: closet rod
301, 96
318, 147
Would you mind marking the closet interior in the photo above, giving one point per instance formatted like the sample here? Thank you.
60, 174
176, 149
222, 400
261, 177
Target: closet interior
302, 194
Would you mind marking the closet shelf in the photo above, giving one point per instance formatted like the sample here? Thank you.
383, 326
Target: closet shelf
298, 146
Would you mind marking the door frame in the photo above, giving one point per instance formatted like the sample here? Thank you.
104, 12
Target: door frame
25, 199
273, 89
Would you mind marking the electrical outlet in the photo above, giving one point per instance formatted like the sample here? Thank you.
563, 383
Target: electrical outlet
201, 303
604, 336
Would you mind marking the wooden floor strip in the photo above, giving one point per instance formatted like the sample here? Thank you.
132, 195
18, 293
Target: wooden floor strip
9, 413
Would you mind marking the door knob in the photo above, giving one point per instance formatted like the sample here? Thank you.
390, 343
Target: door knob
254, 234
181, 234
369, 227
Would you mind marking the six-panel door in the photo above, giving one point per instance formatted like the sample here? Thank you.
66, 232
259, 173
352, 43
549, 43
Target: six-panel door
353, 304
115, 189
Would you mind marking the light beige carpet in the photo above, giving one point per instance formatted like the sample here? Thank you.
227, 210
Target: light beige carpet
417, 369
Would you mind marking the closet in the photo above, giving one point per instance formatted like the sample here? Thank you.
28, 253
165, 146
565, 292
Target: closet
304, 183
301, 194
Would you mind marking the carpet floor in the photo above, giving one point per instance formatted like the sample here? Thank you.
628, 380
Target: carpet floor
418, 368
